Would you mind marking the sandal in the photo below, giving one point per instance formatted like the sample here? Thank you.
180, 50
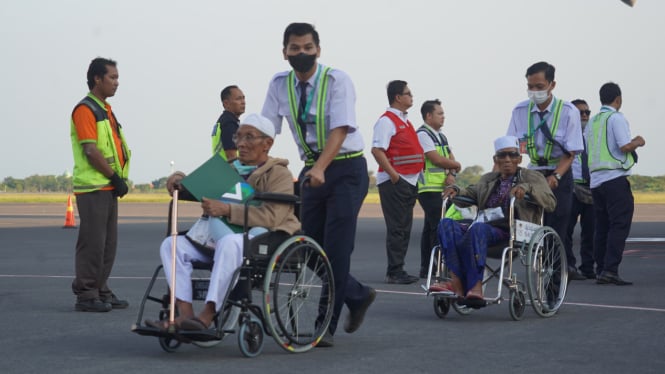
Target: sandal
442, 288
473, 300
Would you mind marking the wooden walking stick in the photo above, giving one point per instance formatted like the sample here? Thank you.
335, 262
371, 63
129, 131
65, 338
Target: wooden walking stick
174, 237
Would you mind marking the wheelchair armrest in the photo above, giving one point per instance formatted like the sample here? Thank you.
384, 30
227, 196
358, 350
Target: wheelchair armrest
275, 197
464, 200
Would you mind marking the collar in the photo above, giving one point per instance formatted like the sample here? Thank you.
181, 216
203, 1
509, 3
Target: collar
312, 80
99, 101
607, 108
430, 128
548, 109
402, 115
232, 114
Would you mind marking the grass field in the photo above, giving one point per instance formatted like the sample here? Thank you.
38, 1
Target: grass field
372, 198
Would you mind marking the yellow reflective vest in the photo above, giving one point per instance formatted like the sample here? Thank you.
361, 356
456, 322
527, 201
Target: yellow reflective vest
600, 157
433, 177
86, 177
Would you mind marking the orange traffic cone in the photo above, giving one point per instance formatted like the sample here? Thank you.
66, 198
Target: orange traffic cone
70, 222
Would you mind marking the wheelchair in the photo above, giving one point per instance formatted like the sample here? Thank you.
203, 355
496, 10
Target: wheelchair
538, 248
290, 273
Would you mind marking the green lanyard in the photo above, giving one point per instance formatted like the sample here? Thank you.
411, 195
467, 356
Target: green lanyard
310, 97
320, 117
531, 142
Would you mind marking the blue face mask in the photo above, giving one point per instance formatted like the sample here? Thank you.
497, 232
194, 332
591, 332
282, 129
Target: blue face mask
243, 169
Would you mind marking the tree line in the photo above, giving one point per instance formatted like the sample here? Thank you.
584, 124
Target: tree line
63, 183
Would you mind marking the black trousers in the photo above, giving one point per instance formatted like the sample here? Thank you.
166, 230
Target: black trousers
397, 202
613, 207
96, 245
558, 219
330, 216
586, 218
431, 204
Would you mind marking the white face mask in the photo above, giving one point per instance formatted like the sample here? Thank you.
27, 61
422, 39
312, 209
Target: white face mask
584, 123
538, 97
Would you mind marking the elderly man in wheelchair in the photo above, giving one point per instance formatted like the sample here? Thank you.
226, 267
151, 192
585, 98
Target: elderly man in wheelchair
464, 245
254, 139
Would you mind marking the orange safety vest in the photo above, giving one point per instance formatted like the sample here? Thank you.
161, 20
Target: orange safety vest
404, 151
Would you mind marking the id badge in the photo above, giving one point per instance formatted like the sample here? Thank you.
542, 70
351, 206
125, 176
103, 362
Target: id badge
523, 146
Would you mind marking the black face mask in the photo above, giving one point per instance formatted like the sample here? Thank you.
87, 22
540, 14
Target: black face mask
302, 62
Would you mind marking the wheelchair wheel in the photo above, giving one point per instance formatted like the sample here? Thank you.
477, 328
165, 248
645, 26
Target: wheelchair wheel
169, 344
547, 272
298, 294
250, 337
441, 306
517, 304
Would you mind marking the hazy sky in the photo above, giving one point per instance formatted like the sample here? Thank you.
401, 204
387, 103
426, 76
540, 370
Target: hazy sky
175, 56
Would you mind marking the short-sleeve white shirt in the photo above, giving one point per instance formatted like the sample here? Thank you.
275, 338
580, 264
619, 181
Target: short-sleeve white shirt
569, 131
339, 109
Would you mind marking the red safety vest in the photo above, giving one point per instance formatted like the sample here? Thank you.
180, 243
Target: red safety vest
404, 151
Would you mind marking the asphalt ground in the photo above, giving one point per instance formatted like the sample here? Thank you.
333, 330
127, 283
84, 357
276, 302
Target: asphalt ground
600, 328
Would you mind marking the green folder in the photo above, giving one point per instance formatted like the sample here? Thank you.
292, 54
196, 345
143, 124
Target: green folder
216, 179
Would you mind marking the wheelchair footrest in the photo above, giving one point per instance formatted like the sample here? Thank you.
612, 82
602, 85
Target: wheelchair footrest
180, 335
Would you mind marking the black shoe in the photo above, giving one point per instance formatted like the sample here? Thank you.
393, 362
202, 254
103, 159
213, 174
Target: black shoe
326, 341
608, 277
401, 278
92, 305
588, 274
573, 274
355, 317
115, 302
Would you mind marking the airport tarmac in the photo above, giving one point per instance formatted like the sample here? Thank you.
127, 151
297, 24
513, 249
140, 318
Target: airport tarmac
600, 328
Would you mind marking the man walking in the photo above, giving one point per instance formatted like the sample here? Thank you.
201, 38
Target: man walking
550, 133
318, 103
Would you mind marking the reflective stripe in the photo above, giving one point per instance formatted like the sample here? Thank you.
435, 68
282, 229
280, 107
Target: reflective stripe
343, 156
531, 143
322, 94
433, 177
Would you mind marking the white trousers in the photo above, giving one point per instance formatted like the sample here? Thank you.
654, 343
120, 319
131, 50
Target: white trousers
227, 258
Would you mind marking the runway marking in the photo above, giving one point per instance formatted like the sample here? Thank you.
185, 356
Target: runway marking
621, 307
618, 307
637, 240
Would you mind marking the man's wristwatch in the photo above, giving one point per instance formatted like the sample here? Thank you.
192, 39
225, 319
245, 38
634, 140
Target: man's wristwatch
557, 176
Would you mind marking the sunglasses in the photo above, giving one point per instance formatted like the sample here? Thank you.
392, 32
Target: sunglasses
511, 154
585, 112
249, 138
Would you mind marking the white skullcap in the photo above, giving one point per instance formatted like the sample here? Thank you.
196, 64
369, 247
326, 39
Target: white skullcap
261, 123
507, 141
